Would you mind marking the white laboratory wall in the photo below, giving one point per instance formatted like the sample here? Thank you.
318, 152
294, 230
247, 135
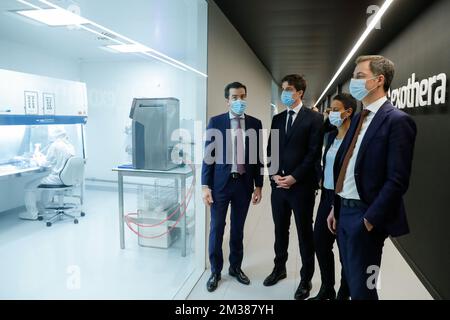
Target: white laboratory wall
19, 57
231, 59
111, 89
23, 58
69, 97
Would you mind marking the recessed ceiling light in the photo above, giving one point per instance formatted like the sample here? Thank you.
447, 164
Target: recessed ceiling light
63, 17
129, 48
54, 17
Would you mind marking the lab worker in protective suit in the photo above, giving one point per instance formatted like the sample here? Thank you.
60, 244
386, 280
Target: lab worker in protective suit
59, 151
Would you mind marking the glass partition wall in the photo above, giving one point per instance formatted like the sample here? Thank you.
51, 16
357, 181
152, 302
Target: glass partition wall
121, 50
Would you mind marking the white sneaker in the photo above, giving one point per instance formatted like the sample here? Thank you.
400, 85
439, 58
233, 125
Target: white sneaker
28, 216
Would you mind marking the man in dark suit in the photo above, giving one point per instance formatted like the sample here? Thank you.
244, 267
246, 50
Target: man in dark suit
297, 132
372, 176
232, 173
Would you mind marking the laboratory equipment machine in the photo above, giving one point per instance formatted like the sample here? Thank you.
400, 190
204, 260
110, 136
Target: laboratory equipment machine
155, 124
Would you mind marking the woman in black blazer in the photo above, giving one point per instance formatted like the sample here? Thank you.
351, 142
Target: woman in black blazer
343, 107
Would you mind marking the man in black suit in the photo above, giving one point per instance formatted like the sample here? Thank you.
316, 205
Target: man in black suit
294, 181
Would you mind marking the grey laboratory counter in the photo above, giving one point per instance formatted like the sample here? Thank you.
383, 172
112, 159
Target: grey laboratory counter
11, 171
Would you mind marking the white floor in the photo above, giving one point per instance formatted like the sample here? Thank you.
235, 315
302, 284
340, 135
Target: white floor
397, 279
84, 261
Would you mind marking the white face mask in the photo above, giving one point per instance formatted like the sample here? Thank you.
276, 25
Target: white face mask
335, 119
358, 88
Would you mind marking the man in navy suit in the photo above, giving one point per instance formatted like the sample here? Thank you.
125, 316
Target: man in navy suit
371, 177
232, 173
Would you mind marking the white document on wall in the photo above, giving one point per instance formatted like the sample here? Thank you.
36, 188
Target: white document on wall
49, 104
31, 102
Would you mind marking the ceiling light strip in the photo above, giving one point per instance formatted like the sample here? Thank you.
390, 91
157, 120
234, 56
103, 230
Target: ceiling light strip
357, 45
29, 4
160, 59
164, 57
182, 64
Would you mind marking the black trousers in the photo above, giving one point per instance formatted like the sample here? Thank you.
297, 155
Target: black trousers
299, 200
324, 241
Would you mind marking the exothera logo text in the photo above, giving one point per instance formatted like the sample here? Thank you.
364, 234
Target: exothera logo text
427, 92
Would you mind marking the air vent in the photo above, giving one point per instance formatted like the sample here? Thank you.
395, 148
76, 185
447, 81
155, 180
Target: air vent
106, 36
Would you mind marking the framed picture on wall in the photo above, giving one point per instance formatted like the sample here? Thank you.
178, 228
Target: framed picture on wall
49, 104
31, 102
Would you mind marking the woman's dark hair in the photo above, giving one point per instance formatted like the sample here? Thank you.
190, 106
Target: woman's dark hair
348, 101
233, 85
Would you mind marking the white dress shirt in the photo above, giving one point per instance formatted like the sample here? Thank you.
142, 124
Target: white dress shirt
234, 127
349, 190
294, 116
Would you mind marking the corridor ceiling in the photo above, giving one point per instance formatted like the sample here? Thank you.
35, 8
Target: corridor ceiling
314, 37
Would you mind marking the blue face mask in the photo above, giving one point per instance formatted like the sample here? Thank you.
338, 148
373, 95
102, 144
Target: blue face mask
358, 88
335, 119
287, 99
238, 107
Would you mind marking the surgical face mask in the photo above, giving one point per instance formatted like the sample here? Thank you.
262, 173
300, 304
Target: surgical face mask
358, 88
287, 99
335, 119
238, 107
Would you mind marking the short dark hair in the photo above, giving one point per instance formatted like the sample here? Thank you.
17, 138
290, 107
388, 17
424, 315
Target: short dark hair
348, 101
297, 81
233, 85
380, 65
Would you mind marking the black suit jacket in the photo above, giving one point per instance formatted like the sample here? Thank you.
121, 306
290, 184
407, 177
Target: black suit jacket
299, 150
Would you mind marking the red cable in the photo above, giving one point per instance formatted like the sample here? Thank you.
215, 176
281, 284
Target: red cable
184, 204
160, 235
169, 216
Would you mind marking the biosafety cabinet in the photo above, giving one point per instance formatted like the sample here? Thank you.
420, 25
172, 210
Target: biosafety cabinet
29, 105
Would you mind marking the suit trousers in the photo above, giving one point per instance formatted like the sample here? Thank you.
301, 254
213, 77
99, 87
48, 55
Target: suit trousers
299, 199
361, 252
238, 194
324, 241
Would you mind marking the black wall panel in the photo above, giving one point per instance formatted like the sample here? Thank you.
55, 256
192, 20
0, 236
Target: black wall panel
424, 49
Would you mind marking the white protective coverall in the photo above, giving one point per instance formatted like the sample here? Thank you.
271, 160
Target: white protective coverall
57, 155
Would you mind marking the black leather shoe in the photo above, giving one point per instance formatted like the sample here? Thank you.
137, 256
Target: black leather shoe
213, 282
303, 290
325, 294
343, 294
274, 277
239, 275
